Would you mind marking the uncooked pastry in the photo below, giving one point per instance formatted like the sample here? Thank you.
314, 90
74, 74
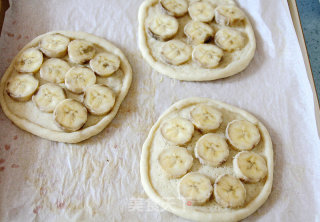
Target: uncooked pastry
29, 117
164, 190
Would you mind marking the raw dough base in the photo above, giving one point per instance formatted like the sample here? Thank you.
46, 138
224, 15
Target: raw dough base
47, 129
164, 191
191, 71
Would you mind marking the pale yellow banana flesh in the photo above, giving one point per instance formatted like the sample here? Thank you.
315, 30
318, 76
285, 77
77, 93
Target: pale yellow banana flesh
70, 115
99, 99
206, 118
198, 32
48, 96
201, 11
250, 167
195, 188
54, 45
229, 191
229, 39
163, 27
105, 64
229, 15
207, 56
54, 70
78, 78
242, 134
177, 131
175, 8
22, 86
175, 161
175, 52
29, 61
212, 149
80, 51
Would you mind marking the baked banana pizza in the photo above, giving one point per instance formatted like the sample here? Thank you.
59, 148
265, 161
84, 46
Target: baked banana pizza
205, 160
65, 86
195, 40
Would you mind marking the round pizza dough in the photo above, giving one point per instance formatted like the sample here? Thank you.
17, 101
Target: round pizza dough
29, 118
164, 191
231, 63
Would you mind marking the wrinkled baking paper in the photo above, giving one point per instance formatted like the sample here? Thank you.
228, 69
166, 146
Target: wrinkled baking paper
98, 180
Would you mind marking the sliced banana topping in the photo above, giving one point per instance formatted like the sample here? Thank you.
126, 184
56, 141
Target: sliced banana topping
229, 15
78, 78
48, 96
229, 191
175, 8
229, 39
22, 86
175, 161
177, 131
207, 56
29, 61
54, 70
99, 99
163, 27
212, 149
250, 166
80, 51
205, 117
195, 188
105, 64
242, 134
54, 45
70, 115
201, 11
198, 32
175, 52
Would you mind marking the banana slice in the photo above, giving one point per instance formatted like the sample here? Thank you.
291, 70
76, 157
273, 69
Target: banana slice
48, 96
229, 15
80, 51
99, 99
54, 70
175, 8
175, 161
177, 131
105, 64
198, 32
195, 188
229, 191
206, 118
212, 149
175, 52
29, 61
207, 56
201, 11
54, 45
21, 87
242, 134
70, 115
250, 167
163, 27
229, 40
78, 78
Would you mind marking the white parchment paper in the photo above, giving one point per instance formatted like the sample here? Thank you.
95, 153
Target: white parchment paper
98, 180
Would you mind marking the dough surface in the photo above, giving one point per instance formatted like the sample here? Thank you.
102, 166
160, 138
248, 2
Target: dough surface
29, 118
164, 191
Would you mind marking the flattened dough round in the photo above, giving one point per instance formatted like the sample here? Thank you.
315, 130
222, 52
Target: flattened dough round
29, 118
231, 63
163, 190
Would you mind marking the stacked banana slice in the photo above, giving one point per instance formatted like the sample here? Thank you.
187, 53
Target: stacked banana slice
67, 66
211, 150
209, 35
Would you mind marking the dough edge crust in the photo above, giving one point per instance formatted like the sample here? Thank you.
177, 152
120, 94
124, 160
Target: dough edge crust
235, 214
83, 134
